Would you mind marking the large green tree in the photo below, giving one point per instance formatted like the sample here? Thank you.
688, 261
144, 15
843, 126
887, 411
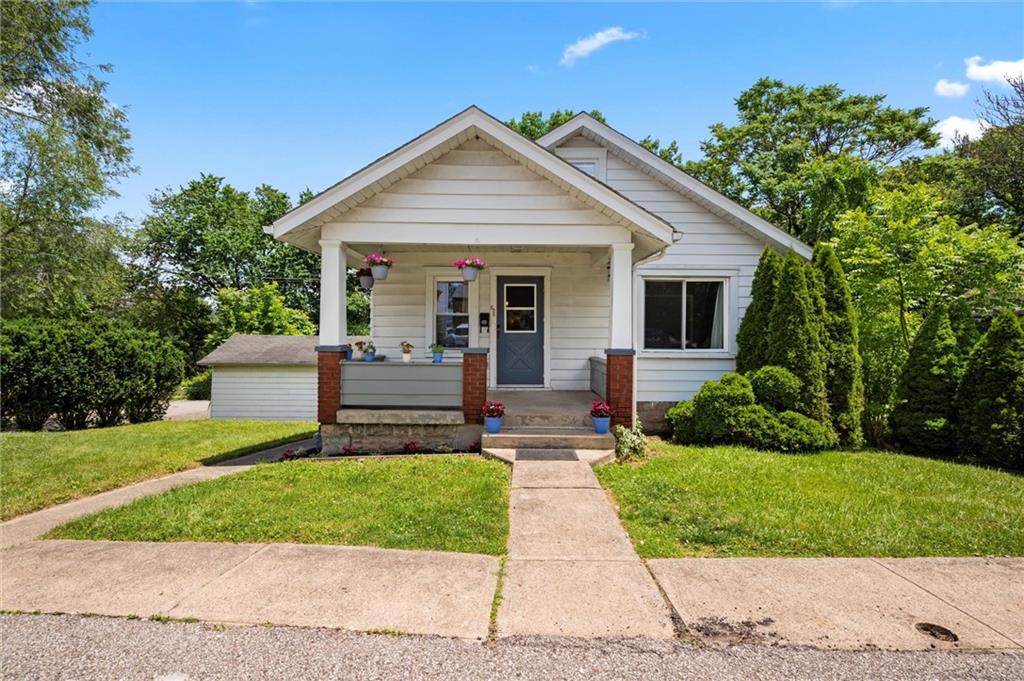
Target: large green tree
800, 156
64, 147
259, 310
534, 125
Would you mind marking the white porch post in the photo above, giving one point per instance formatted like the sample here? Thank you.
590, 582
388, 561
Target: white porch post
621, 317
333, 294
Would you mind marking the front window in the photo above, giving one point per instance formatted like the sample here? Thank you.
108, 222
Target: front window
451, 314
684, 314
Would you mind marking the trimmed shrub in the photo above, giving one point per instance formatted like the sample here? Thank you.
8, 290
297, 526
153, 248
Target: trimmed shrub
794, 337
844, 383
990, 400
775, 387
751, 340
923, 418
199, 386
965, 328
680, 421
803, 434
87, 371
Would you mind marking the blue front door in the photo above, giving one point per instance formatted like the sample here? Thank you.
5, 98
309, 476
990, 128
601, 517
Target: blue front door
520, 331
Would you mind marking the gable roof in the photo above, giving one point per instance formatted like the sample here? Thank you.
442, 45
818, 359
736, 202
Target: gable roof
241, 349
588, 126
301, 225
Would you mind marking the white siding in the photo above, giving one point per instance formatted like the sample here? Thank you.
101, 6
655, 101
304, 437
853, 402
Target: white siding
578, 318
709, 246
286, 393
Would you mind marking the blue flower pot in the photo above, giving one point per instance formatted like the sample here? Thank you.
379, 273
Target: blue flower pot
348, 354
492, 424
368, 356
601, 424
438, 356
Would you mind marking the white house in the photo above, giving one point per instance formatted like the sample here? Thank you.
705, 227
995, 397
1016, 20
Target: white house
610, 272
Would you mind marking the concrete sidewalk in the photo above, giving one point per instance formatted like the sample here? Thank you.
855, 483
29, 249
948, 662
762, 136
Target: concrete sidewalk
31, 525
571, 569
365, 589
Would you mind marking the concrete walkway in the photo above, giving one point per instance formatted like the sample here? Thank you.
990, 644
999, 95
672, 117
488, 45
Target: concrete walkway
31, 525
571, 569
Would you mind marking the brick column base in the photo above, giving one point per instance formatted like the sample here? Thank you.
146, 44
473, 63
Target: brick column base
474, 383
328, 382
619, 385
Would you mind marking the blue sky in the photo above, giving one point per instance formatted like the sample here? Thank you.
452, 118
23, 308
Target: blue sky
299, 95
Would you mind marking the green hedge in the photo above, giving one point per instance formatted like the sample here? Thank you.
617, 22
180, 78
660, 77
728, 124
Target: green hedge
82, 373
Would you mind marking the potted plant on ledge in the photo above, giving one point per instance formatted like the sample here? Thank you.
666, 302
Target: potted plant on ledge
601, 415
357, 350
438, 350
379, 265
493, 411
365, 275
369, 352
470, 267
407, 349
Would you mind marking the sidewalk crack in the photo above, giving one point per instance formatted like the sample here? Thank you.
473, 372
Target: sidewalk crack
943, 600
226, 572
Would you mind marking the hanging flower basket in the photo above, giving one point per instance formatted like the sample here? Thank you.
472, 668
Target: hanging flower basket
365, 277
470, 267
379, 265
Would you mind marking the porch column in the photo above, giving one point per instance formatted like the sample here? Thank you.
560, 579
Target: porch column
474, 383
333, 330
620, 353
621, 313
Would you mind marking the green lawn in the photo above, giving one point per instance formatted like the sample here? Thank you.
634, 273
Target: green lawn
42, 469
730, 501
445, 503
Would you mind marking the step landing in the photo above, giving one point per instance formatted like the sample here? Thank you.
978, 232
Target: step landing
547, 438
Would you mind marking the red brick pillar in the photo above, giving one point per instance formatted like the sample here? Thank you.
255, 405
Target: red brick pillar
474, 383
329, 359
619, 385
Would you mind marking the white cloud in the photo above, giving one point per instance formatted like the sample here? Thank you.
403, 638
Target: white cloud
994, 71
948, 128
532, 68
585, 46
951, 88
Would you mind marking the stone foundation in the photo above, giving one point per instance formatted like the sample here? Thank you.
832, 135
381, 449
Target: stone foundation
387, 438
652, 415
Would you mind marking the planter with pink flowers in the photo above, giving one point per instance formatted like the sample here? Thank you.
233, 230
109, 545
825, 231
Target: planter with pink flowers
601, 416
470, 267
379, 265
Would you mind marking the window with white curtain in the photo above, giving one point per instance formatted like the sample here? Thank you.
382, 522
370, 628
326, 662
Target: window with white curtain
684, 314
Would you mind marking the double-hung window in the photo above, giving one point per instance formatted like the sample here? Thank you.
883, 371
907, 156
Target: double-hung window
684, 314
451, 313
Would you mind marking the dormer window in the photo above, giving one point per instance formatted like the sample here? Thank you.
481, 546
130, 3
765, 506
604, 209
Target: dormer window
589, 167
590, 160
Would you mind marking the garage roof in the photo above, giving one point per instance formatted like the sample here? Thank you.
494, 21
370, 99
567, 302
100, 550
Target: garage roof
257, 350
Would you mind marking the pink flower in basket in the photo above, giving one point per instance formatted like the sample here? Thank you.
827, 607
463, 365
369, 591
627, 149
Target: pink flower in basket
378, 259
477, 263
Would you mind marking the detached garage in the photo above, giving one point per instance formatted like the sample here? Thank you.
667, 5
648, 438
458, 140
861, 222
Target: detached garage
264, 377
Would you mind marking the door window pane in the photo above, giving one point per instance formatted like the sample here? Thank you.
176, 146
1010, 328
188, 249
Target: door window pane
704, 312
519, 295
520, 308
451, 314
663, 315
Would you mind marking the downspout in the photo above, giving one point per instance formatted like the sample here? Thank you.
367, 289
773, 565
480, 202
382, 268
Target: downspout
653, 257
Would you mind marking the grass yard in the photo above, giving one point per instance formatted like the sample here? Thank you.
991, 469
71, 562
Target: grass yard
730, 501
445, 503
43, 469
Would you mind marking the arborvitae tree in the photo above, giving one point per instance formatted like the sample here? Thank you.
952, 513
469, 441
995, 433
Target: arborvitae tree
752, 339
990, 401
843, 380
794, 340
924, 416
964, 327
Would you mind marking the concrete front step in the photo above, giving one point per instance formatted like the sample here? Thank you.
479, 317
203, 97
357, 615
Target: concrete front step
594, 457
547, 421
548, 439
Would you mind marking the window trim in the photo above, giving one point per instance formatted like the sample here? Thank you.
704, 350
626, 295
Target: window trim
434, 276
728, 311
596, 155
505, 308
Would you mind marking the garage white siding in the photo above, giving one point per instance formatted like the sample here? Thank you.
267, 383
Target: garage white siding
286, 393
